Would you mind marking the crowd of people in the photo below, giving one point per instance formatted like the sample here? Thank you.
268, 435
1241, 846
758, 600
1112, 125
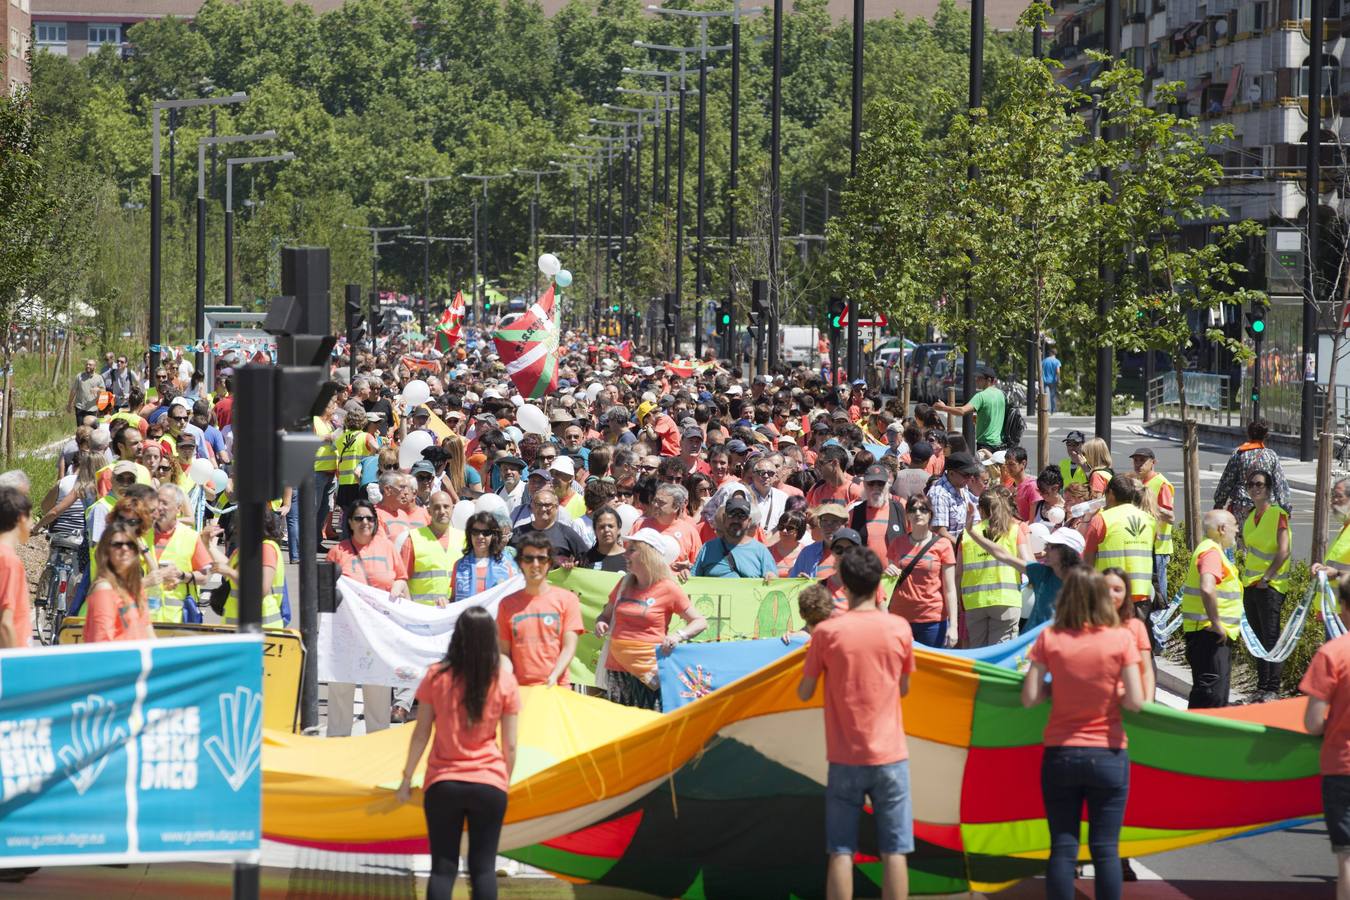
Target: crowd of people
658, 472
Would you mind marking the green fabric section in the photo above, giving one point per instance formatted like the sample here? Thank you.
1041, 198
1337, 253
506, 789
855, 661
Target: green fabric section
737, 609
573, 865
695, 890
997, 838
1000, 720
1218, 748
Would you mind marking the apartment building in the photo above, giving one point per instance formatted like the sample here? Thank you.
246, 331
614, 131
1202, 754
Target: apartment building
16, 26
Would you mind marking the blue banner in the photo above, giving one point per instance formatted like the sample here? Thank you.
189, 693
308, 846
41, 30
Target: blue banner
139, 751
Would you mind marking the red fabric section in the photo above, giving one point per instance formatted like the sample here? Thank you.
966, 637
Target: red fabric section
608, 839
404, 845
1003, 785
946, 836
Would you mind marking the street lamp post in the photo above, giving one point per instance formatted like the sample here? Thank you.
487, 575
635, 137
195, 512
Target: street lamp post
775, 185
376, 232
426, 183
534, 213
156, 209
427, 241
199, 308
855, 148
481, 254
229, 212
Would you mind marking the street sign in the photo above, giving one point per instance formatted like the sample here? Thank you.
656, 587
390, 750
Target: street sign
879, 321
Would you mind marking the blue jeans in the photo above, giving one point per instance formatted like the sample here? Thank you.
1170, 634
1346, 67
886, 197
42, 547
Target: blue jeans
293, 528
1069, 777
888, 787
1160, 575
323, 483
1052, 391
930, 634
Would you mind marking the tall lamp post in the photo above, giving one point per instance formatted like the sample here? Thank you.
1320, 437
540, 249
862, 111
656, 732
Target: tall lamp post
229, 212
376, 232
199, 310
480, 250
426, 183
157, 203
534, 217
426, 241
854, 363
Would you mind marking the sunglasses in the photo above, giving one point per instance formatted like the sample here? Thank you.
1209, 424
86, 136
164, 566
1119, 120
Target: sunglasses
423, 476
388, 468
170, 469
545, 507
532, 559
766, 472
123, 545
179, 418
125, 479
479, 532
647, 468
362, 519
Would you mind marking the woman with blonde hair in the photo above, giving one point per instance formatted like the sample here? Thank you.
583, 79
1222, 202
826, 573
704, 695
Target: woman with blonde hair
1097, 461
990, 588
1095, 667
459, 479
637, 619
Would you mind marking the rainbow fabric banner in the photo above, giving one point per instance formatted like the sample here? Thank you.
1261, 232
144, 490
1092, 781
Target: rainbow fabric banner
528, 346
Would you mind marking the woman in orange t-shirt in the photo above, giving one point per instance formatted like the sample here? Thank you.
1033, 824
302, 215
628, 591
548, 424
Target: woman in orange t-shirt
462, 700
1090, 657
1116, 584
116, 605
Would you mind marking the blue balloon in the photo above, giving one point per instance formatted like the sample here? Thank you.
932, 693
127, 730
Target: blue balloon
563, 278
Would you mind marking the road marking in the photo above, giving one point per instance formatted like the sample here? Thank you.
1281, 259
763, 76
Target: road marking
1169, 699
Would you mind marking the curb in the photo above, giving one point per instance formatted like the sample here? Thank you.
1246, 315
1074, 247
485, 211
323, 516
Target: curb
1295, 482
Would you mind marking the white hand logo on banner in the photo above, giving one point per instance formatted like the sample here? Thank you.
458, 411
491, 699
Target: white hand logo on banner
237, 750
93, 738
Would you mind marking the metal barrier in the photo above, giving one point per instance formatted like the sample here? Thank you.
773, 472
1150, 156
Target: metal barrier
1208, 397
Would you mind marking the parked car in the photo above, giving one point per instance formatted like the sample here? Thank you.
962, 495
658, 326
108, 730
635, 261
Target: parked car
889, 361
948, 373
921, 360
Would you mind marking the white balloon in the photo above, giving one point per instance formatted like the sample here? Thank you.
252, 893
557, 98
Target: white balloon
532, 419
416, 392
201, 471
593, 391
459, 516
490, 503
219, 480
517, 400
410, 451
549, 264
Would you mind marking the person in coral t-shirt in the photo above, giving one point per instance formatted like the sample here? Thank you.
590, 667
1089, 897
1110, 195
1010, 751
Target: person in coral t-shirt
866, 656
16, 525
538, 625
1327, 684
463, 699
1089, 657
116, 608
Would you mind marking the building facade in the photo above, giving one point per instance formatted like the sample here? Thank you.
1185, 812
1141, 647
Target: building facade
17, 28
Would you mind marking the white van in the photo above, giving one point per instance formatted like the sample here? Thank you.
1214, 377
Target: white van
797, 344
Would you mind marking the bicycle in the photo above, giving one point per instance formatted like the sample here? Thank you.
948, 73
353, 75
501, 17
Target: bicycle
57, 585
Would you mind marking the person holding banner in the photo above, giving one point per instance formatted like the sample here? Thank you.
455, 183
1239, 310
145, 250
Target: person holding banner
116, 605
538, 625
485, 562
637, 619
461, 702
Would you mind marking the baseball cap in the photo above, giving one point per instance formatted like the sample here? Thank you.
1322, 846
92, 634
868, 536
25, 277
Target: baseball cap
920, 451
764, 379
830, 508
1067, 537
694, 432
846, 534
541, 473
423, 466
820, 426
667, 547
986, 372
898, 427
1145, 452
997, 459
876, 474
125, 467
738, 502
564, 465
840, 413
737, 446
735, 390
792, 424
1074, 437
963, 463
419, 411
858, 382
514, 461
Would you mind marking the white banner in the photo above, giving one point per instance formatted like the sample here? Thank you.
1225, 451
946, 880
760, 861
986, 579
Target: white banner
372, 640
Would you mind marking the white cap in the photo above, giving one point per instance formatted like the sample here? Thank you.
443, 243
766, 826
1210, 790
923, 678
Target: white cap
1067, 537
564, 465
667, 547
492, 394
182, 401
997, 459
787, 438
735, 390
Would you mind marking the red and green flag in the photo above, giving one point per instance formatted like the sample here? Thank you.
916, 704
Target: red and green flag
528, 346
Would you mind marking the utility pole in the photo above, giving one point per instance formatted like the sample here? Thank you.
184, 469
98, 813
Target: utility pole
481, 211
376, 232
229, 212
855, 149
775, 181
426, 241
974, 101
1311, 205
426, 183
534, 212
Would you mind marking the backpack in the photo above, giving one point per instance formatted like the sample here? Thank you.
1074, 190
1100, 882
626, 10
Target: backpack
1014, 426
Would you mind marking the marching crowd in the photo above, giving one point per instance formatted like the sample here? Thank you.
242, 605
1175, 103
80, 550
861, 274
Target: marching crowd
438, 480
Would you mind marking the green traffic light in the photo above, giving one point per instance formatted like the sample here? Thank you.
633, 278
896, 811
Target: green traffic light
1259, 326
726, 319
834, 323
614, 308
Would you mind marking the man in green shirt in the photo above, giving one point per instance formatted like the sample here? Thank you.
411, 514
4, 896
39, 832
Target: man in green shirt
988, 404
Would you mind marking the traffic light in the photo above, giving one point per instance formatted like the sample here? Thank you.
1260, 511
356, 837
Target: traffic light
669, 318
614, 308
1256, 323
835, 313
352, 313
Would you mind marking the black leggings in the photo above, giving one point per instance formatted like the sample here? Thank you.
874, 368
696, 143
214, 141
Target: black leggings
447, 804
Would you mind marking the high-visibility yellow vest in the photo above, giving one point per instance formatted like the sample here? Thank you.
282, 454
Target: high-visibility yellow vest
326, 458
166, 603
1072, 474
1229, 591
1338, 555
1128, 544
1162, 542
429, 580
984, 580
109, 501
271, 603
1263, 542
351, 449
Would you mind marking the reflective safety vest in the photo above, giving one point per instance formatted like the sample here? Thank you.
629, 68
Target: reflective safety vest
1162, 544
1128, 544
271, 603
1338, 556
108, 501
166, 603
1071, 473
1229, 590
351, 449
1263, 542
326, 458
984, 580
429, 578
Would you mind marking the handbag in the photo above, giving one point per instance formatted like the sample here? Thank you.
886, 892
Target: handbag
909, 567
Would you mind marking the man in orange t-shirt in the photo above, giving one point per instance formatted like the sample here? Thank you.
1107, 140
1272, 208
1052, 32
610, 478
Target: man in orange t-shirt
16, 524
1327, 684
666, 515
835, 483
867, 656
538, 625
